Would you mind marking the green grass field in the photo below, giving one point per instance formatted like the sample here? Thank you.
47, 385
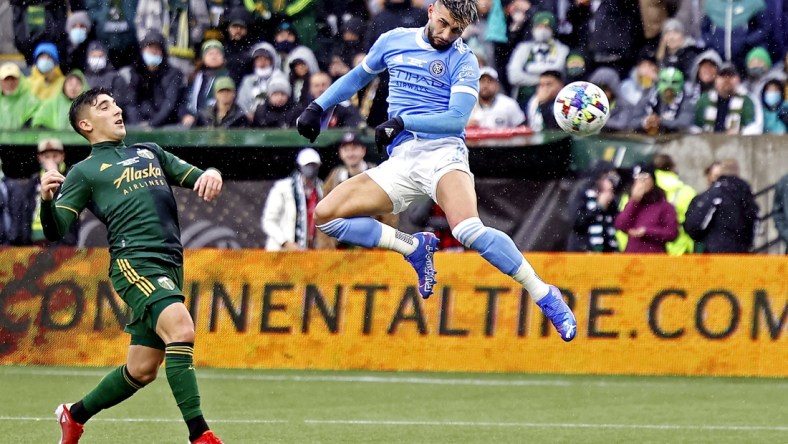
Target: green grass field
376, 407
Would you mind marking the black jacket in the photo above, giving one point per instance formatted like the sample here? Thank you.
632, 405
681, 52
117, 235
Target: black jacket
266, 116
235, 118
9, 212
153, 96
723, 217
28, 207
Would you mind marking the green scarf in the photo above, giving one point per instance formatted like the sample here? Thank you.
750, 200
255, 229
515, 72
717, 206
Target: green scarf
743, 11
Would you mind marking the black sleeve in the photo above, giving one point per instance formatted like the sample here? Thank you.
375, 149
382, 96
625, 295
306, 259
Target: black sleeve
173, 95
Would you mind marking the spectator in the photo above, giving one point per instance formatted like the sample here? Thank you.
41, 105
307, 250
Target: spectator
679, 195
288, 215
610, 31
712, 173
690, 14
50, 156
641, 78
351, 43
254, 86
301, 64
666, 108
723, 217
654, 16
476, 35
115, 28
17, 103
225, 113
540, 107
186, 21
620, 111
46, 78
345, 114
724, 109
676, 49
775, 110
351, 152
648, 219
200, 92
576, 67
286, 41
155, 86
38, 22
238, 45
278, 110
531, 58
494, 110
53, 112
101, 74
76, 52
9, 219
703, 73
734, 27
780, 209
594, 208
759, 71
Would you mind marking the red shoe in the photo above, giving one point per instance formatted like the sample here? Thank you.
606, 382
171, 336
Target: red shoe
208, 438
70, 430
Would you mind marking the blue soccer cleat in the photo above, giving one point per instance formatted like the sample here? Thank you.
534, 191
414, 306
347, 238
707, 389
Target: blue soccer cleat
554, 307
422, 262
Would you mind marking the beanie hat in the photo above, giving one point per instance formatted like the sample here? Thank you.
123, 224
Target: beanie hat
759, 53
47, 48
279, 84
78, 18
544, 18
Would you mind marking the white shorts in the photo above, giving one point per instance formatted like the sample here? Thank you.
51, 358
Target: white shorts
415, 167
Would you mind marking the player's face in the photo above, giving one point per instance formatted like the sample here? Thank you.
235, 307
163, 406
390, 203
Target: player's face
442, 29
105, 119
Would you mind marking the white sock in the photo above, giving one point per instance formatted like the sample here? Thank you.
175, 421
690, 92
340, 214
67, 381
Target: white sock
527, 277
393, 239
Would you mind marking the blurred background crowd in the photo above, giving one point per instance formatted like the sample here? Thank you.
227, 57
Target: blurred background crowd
667, 66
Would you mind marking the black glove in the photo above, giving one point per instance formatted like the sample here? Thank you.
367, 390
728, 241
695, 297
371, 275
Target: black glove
387, 131
308, 123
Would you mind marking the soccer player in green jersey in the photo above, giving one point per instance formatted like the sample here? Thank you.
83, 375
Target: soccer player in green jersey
129, 189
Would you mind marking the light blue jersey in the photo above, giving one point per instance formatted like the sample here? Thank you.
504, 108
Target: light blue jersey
422, 77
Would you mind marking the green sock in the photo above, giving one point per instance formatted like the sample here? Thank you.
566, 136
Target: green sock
116, 387
183, 381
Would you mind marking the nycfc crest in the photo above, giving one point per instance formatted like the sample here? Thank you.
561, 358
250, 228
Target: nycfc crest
437, 68
166, 283
145, 153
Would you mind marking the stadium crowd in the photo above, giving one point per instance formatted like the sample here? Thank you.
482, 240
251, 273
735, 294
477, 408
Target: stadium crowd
666, 66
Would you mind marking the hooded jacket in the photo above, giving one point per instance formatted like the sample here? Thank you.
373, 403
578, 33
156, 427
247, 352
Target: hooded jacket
693, 86
19, 107
108, 78
252, 91
723, 217
53, 113
43, 88
656, 215
154, 95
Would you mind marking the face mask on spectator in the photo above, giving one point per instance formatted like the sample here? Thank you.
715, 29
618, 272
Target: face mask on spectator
151, 59
77, 35
542, 34
756, 72
264, 72
772, 98
575, 72
97, 63
309, 171
285, 46
45, 65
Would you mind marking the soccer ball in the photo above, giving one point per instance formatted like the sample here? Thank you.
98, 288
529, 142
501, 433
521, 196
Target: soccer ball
581, 108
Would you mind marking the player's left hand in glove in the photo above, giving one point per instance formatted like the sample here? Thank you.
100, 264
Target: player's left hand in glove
387, 131
308, 123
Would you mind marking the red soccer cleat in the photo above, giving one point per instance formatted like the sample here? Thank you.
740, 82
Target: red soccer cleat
70, 430
208, 438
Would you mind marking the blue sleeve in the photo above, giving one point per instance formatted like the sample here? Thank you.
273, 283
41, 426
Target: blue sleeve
345, 87
450, 121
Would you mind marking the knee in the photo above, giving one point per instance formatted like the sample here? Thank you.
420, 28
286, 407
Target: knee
144, 372
184, 333
324, 213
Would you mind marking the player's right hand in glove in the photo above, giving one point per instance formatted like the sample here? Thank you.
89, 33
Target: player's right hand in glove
308, 123
387, 131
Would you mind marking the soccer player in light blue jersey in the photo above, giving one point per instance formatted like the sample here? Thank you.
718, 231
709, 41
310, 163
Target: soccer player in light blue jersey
434, 86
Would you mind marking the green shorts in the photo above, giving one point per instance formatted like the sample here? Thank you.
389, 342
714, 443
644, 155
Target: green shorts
148, 288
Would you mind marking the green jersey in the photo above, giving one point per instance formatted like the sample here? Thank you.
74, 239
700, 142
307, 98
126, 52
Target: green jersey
129, 189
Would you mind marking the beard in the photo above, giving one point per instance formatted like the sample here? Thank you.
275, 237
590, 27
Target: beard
440, 45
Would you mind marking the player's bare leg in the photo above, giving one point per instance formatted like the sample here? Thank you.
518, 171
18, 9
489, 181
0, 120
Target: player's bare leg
176, 328
141, 368
457, 197
345, 214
